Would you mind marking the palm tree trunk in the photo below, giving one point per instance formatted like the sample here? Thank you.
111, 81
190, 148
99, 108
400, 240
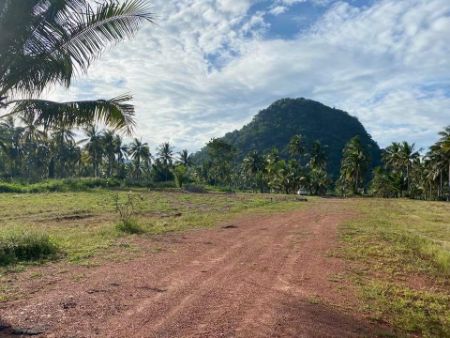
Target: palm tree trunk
448, 195
407, 178
449, 174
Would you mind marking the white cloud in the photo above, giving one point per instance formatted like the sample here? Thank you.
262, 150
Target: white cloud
388, 64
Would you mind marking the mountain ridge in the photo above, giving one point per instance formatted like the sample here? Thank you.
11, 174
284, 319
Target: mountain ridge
275, 125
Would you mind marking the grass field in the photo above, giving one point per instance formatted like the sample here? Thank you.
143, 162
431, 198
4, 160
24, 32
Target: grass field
84, 225
400, 250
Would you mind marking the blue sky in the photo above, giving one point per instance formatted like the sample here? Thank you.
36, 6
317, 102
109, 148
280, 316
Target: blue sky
208, 66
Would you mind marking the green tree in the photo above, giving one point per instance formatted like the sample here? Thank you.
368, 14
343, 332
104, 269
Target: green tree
94, 147
165, 155
46, 42
141, 156
353, 167
385, 183
296, 148
443, 148
179, 173
400, 157
318, 156
185, 158
252, 168
109, 149
221, 155
12, 146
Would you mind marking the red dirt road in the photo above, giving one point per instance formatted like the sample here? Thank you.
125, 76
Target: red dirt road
262, 276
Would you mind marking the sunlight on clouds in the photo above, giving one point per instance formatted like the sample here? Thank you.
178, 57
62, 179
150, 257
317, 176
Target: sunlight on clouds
206, 68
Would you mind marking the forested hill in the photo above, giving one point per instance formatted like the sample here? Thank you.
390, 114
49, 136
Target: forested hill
275, 126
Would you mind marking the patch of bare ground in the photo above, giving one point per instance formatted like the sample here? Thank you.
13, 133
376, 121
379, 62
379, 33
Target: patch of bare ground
264, 276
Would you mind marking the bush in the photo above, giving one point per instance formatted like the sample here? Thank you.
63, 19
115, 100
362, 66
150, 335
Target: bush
179, 173
26, 246
12, 188
127, 212
70, 184
195, 188
130, 226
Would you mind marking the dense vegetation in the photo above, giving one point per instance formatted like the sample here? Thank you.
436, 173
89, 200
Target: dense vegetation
30, 153
407, 173
276, 125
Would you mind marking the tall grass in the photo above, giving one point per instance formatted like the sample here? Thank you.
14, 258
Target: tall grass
79, 184
21, 246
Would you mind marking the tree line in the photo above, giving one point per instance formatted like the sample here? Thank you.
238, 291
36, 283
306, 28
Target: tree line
30, 152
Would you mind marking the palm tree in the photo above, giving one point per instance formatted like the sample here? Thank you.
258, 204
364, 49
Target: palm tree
444, 149
253, 163
353, 165
165, 156
109, 148
165, 153
318, 156
45, 42
318, 181
31, 128
33, 148
63, 140
253, 166
12, 145
436, 164
94, 147
185, 158
406, 157
400, 157
295, 147
141, 156
120, 149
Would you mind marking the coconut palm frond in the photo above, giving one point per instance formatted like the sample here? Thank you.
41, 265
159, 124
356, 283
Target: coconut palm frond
116, 113
93, 29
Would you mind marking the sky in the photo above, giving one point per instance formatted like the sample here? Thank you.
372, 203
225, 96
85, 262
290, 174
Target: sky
206, 67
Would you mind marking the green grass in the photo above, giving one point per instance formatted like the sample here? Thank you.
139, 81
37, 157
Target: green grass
84, 225
79, 184
400, 251
24, 246
130, 226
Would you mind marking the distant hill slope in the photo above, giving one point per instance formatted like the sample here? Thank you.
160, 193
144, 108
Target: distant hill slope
275, 126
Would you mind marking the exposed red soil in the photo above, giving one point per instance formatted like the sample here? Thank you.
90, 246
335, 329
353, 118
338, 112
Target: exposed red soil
264, 276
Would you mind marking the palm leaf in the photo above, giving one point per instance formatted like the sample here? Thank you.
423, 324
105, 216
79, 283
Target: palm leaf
92, 29
117, 113
45, 41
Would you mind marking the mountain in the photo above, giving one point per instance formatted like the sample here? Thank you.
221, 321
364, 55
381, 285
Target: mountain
275, 126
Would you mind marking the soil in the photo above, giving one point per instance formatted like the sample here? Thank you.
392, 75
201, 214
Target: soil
259, 276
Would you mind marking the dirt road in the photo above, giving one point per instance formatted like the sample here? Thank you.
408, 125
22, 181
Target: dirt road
260, 276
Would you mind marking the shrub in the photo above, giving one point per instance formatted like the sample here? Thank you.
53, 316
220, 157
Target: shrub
129, 226
26, 246
179, 173
126, 211
69, 184
195, 188
11, 187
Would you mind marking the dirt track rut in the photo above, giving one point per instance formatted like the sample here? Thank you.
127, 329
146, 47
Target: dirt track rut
264, 276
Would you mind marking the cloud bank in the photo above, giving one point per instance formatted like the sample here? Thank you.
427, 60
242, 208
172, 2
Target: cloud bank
208, 66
